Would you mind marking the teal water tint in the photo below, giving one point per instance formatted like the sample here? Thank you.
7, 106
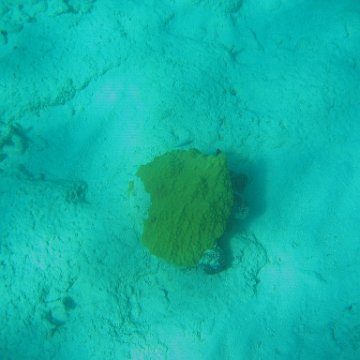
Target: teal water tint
90, 90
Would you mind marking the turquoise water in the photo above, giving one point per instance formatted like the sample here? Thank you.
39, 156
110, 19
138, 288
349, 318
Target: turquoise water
90, 90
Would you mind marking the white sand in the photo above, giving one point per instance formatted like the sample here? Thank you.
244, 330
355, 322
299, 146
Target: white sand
92, 89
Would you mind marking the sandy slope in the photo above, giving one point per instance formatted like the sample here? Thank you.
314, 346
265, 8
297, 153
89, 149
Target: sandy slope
91, 90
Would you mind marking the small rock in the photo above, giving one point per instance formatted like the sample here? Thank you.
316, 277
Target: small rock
69, 303
212, 261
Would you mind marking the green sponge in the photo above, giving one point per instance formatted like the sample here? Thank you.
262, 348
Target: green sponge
191, 201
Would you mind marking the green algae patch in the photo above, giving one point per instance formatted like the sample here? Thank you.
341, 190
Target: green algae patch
191, 201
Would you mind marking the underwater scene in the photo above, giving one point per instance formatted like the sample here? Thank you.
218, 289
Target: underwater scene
180, 179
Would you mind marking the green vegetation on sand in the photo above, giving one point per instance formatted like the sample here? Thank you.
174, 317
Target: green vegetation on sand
191, 201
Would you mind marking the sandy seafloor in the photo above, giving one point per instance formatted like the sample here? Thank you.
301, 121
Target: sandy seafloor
90, 90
